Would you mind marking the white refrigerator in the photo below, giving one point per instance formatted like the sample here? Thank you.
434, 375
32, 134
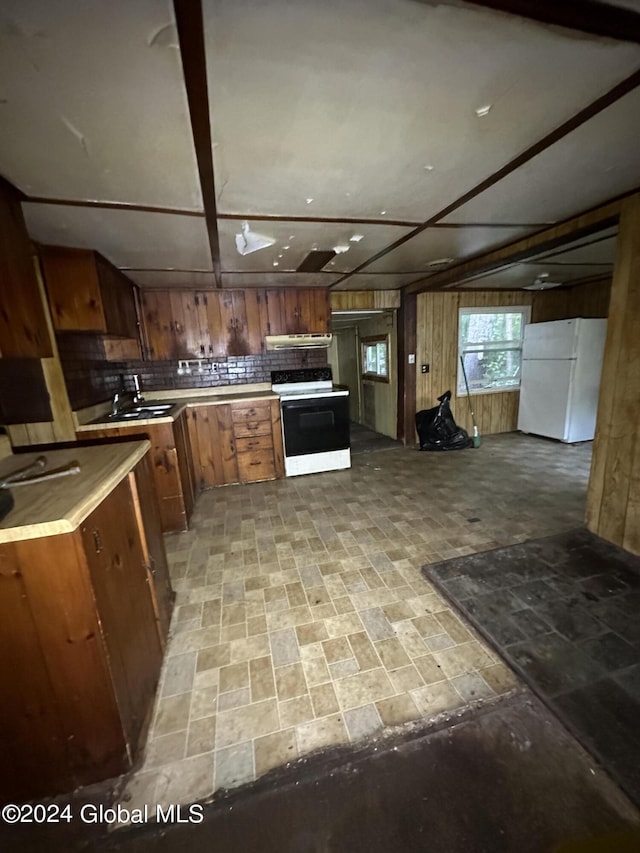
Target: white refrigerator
561, 367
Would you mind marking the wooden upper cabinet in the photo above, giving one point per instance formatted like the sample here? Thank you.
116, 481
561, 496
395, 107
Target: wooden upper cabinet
23, 324
296, 310
187, 324
157, 325
87, 293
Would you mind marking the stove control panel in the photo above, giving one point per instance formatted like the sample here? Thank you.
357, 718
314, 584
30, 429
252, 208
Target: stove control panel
303, 374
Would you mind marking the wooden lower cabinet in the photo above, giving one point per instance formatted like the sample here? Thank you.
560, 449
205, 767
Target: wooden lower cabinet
236, 442
83, 623
171, 464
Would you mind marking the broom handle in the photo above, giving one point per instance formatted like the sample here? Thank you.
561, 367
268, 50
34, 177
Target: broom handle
466, 385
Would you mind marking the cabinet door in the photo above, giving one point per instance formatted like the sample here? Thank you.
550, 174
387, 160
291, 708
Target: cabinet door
213, 445
23, 325
164, 459
234, 321
185, 463
217, 330
276, 312
118, 301
154, 554
119, 579
257, 320
73, 287
319, 309
157, 326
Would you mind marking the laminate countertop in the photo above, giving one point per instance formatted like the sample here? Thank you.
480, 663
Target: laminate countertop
61, 505
180, 404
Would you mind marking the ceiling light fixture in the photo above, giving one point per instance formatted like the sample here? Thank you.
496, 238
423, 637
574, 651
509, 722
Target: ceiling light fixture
248, 241
340, 250
355, 238
429, 168
483, 111
438, 262
309, 200
542, 283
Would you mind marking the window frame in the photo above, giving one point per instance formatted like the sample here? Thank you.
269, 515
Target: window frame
500, 346
365, 342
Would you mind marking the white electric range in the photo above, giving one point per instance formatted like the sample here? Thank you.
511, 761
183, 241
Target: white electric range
315, 420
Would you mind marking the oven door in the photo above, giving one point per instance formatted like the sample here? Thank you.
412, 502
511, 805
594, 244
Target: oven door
315, 425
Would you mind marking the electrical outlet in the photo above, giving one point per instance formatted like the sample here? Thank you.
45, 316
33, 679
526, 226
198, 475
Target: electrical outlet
425, 368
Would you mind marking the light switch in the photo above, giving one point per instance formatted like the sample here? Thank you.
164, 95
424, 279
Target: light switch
412, 358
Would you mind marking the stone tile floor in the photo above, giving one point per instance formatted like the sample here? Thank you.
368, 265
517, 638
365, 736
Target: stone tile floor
302, 619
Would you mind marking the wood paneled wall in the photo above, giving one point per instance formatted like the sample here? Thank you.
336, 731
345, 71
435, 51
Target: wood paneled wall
364, 300
437, 346
583, 300
613, 499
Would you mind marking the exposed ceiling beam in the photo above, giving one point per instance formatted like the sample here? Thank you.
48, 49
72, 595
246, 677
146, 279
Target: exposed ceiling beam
578, 226
591, 110
587, 16
190, 26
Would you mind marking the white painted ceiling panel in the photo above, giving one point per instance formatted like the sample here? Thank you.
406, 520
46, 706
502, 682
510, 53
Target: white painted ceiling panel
128, 238
302, 238
523, 275
371, 281
93, 102
161, 279
347, 103
597, 161
435, 244
301, 279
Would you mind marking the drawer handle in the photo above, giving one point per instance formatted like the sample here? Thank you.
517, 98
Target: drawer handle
255, 463
97, 540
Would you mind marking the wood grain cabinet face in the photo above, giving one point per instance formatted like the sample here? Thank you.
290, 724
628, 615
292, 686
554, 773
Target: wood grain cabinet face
120, 584
88, 294
80, 647
23, 325
170, 463
219, 323
236, 443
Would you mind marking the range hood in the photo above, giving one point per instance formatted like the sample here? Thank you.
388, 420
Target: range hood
309, 341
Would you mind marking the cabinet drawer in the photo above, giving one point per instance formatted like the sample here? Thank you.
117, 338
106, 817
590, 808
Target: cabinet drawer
241, 412
256, 465
245, 429
257, 442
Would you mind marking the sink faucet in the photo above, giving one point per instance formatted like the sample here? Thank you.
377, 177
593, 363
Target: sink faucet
137, 397
115, 405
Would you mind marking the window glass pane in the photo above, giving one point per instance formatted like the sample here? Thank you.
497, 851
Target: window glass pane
491, 344
491, 369
375, 358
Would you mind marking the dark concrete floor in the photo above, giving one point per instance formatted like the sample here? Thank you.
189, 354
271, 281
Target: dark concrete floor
504, 777
365, 440
564, 612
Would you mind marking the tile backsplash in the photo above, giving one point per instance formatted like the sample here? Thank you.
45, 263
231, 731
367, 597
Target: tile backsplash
91, 379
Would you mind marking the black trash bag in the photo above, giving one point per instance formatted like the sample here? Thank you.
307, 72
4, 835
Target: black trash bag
437, 429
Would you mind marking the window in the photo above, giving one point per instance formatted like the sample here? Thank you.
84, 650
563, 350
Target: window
375, 358
490, 342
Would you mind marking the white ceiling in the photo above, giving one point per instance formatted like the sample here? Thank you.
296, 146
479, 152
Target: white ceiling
344, 109
92, 106
129, 238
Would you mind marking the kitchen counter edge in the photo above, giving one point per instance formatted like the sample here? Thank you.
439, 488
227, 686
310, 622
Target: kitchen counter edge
180, 406
61, 505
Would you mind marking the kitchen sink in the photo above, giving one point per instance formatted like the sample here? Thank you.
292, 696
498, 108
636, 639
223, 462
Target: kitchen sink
142, 412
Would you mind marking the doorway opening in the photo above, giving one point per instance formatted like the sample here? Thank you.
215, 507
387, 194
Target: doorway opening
363, 356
